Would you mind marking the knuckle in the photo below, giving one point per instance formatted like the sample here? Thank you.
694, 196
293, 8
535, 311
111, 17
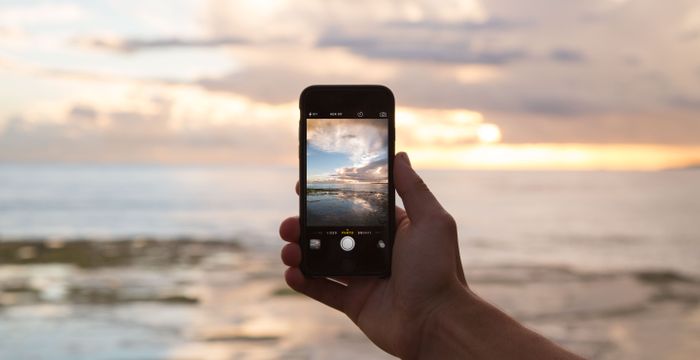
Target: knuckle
446, 220
442, 219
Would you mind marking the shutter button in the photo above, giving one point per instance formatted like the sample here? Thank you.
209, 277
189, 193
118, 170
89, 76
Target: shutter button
347, 243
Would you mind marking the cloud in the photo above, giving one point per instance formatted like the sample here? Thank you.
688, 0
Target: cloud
423, 45
530, 49
567, 55
690, 35
677, 127
134, 45
269, 84
464, 26
160, 125
428, 40
139, 138
43, 13
82, 114
306, 20
685, 102
363, 140
375, 171
416, 49
556, 106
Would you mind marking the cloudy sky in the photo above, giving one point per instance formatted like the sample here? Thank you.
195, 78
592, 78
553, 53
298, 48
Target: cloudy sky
589, 84
347, 150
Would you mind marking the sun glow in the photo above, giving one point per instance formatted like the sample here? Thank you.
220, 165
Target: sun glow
488, 133
556, 156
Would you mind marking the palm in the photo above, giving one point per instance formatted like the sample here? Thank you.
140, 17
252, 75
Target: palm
390, 311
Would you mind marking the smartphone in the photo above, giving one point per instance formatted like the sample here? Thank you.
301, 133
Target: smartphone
346, 192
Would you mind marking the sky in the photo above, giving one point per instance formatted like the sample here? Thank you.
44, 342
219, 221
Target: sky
347, 150
479, 84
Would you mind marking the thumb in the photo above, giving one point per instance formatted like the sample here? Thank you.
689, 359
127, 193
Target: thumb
420, 203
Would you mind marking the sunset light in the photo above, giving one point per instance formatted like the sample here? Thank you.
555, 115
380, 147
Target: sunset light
214, 89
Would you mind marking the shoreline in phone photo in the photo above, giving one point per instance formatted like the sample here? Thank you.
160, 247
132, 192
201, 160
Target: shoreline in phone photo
347, 205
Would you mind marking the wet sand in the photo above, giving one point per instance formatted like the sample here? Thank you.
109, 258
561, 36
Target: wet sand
333, 207
142, 298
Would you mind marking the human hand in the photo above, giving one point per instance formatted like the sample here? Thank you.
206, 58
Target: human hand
426, 272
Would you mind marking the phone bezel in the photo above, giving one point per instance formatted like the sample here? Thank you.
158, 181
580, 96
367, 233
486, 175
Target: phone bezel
328, 97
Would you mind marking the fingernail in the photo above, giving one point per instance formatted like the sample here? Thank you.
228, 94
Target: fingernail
404, 157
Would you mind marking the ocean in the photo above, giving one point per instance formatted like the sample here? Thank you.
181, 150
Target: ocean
588, 220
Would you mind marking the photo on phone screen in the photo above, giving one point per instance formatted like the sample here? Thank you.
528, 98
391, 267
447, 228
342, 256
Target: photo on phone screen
347, 192
347, 179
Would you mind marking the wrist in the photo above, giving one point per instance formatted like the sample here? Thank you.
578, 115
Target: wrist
439, 324
464, 325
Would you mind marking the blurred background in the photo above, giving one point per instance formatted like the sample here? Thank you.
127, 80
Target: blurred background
148, 154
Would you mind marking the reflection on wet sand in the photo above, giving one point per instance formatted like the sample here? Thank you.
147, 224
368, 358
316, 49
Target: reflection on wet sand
349, 207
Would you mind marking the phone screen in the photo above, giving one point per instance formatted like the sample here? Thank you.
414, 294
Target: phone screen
347, 190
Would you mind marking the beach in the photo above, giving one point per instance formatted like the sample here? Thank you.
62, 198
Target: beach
173, 263
209, 300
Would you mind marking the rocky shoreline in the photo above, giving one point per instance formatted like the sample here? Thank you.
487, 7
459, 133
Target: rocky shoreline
87, 253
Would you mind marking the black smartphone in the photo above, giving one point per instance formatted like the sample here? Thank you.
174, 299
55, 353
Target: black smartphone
346, 192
